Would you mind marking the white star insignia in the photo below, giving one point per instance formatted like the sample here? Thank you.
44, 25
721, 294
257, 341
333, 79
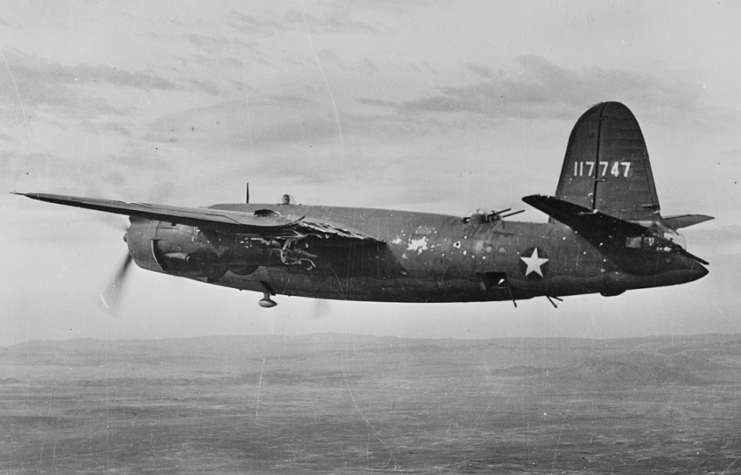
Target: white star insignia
533, 263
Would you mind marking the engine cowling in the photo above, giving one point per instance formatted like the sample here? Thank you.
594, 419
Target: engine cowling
139, 239
189, 251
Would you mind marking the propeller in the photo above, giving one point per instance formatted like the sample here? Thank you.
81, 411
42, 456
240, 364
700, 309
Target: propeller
111, 298
320, 309
113, 295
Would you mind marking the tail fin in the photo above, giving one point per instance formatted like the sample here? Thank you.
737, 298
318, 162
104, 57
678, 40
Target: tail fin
606, 167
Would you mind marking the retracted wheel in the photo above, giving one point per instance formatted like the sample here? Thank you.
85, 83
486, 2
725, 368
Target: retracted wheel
267, 302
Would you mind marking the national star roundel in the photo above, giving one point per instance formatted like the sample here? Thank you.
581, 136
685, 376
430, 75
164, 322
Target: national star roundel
534, 263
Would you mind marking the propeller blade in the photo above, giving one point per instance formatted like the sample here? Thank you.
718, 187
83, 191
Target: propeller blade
320, 309
112, 296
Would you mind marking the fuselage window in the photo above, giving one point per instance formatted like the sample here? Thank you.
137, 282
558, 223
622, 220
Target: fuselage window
634, 242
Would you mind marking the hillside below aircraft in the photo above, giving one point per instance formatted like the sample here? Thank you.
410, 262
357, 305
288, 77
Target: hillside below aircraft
605, 235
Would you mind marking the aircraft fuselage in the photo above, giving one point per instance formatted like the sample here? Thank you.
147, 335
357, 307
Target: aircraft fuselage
416, 257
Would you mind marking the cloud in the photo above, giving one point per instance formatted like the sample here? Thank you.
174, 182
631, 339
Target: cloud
108, 126
340, 21
207, 87
199, 40
260, 26
536, 87
39, 70
272, 23
479, 70
70, 90
261, 122
128, 174
424, 68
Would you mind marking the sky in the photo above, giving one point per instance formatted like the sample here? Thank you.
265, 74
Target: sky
426, 106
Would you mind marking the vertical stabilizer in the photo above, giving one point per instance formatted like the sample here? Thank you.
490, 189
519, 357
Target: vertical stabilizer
606, 167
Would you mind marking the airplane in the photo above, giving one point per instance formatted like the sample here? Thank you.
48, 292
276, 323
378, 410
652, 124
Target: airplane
605, 234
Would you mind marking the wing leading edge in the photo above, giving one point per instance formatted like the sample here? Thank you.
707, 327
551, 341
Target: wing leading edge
266, 223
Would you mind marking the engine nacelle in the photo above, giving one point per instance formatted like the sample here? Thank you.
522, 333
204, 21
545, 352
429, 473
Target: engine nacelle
139, 238
189, 251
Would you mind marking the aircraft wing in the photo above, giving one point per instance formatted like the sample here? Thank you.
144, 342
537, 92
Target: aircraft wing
266, 223
583, 219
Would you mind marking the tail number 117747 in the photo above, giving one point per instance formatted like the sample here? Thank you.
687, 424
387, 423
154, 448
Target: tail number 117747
586, 168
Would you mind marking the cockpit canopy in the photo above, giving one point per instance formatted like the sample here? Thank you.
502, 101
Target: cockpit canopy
288, 200
670, 240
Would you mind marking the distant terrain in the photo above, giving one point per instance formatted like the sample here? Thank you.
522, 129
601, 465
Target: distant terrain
335, 403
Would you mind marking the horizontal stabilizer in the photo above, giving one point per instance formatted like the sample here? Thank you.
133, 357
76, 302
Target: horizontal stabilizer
583, 219
686, 220
265, 223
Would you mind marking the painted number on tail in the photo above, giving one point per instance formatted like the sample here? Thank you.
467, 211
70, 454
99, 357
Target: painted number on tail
616, 169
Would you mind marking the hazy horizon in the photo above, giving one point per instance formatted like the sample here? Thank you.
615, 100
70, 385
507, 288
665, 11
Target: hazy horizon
674, 337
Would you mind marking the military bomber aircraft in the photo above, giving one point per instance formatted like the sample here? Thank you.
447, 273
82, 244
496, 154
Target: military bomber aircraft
605, 235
